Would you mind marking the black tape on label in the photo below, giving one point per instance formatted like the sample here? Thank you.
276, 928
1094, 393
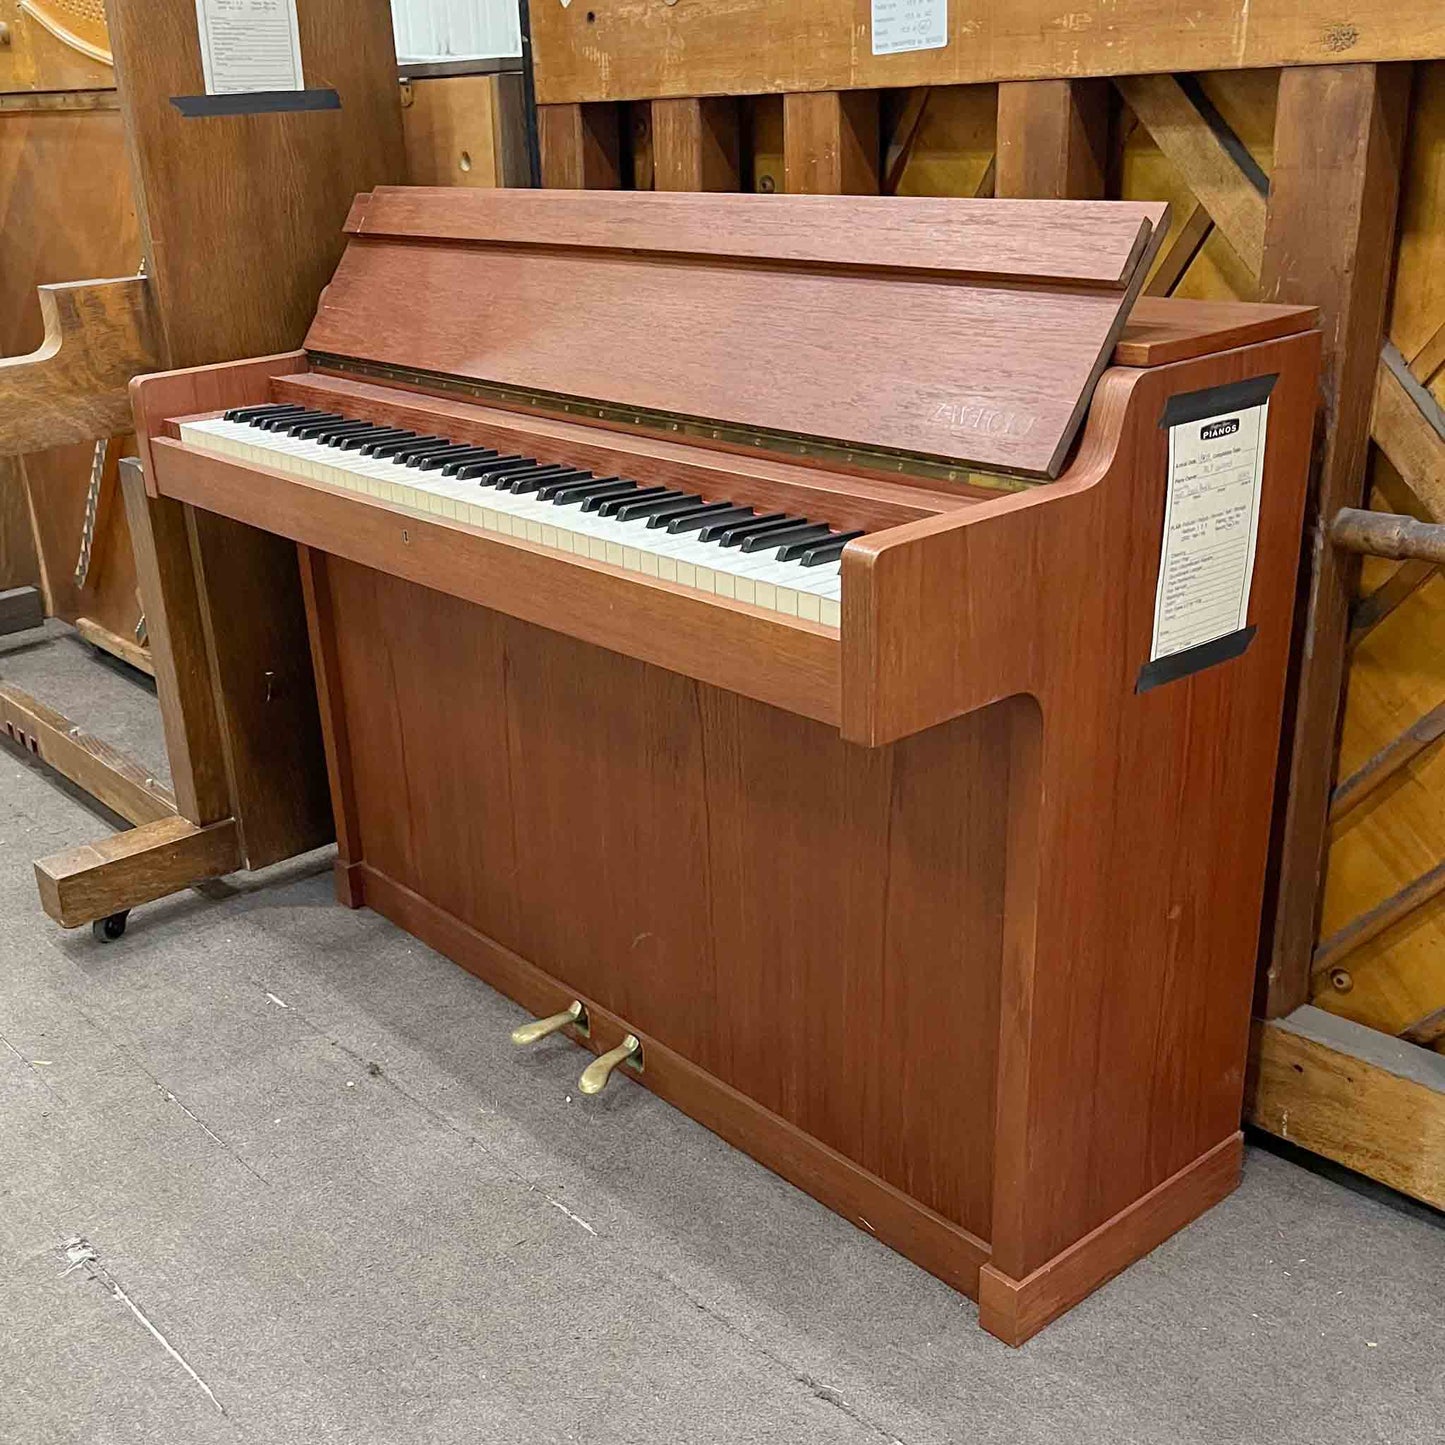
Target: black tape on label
255, 102
1217, 400
1193, 659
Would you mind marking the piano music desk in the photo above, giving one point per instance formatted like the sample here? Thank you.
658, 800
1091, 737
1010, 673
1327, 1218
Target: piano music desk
931, 911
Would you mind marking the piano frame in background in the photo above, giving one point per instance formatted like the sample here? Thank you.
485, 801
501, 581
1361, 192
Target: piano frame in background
1022, 1062
232, 268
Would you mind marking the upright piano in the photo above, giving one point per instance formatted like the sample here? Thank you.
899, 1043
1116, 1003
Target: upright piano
824, 656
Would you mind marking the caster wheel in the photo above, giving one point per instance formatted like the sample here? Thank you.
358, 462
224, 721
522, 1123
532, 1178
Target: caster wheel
107, 930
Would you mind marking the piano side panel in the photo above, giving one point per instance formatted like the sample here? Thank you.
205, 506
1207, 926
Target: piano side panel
815, 924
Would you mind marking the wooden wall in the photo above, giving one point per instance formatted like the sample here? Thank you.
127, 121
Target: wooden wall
1206, 143
66, 214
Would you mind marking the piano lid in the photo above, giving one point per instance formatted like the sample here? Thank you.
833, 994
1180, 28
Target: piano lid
968, 332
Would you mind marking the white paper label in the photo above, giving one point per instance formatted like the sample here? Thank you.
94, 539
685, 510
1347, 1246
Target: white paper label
900, 25
249, 45
1211, 524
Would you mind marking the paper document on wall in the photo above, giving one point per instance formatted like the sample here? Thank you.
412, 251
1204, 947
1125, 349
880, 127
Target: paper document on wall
1211, 525
900, 25
249, 45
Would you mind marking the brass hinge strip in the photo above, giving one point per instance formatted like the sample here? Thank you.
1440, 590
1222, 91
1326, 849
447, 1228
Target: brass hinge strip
782, 444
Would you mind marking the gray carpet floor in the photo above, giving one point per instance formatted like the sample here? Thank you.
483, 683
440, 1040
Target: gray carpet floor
271, 1171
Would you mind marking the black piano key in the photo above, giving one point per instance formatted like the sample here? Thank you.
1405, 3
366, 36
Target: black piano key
612, 506
620, 488
717, 529
332, 434
461, 452
291, 420
364, 438
667, 505
469, 471
482, 454
319, 430
792, 551
513, 477
799, 534
413, 452
549, 489
569, 493
712, 512
414, 445
387, 450
537, 480
266, 408
828, 551
396, 436
773, 522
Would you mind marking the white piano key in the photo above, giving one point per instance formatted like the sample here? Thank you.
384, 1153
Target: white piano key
812, 593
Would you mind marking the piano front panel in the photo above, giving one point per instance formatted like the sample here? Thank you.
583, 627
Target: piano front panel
815, 924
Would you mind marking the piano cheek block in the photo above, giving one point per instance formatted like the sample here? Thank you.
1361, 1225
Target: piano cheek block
881, 868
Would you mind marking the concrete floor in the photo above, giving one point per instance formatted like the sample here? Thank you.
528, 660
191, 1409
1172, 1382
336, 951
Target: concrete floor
270, 1171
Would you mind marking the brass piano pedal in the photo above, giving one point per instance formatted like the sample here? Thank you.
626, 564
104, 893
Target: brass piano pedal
596, 1074
574, 1013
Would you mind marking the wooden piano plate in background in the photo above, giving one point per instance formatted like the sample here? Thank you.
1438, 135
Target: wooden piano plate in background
930, 911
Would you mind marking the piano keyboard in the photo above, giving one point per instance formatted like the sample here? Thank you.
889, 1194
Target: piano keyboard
774, 560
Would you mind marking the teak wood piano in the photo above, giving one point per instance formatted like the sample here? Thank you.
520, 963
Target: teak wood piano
740, 637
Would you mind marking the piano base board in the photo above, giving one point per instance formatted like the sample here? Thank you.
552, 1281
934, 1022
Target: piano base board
939, 1246
1012, 1310
1016, 1310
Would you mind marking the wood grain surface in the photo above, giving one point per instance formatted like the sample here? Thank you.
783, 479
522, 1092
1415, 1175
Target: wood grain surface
684, 334
72, 387
1035, 240
1170, 822
123, 870
630, 49
1339, 140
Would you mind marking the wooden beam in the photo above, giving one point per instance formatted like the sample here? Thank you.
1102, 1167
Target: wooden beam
1427, 1031
1383, 766
899, 150
1332, 951
1403, 425
830, 143
629, 48
1339, 135
695, 144
171, 601
125, 648
106, 773
1203, 161
1367, 613
1430, 357
1185, 246
72, 387
1053, 139
126, 869
581, 148
1355, 1095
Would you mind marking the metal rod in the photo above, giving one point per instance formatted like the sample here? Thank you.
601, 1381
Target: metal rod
1388, 534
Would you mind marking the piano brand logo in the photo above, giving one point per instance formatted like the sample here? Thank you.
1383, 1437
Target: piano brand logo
981, 418
1216, 429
